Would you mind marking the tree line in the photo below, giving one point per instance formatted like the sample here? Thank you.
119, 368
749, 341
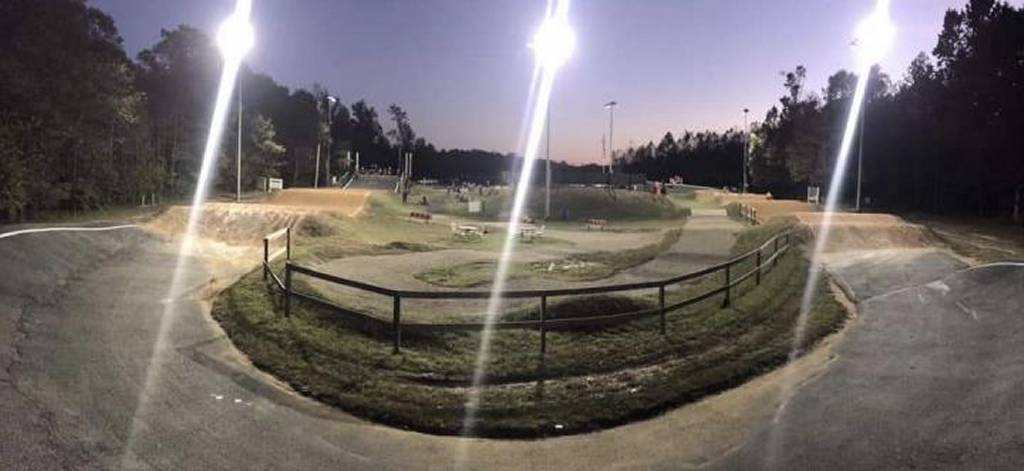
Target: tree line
947, 137
84, 126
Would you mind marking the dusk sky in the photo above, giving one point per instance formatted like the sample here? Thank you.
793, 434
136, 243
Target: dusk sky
461, 68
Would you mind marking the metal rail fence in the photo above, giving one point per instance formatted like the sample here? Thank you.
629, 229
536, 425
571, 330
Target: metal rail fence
765, 257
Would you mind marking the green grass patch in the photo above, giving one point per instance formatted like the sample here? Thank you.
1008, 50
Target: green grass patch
588, 379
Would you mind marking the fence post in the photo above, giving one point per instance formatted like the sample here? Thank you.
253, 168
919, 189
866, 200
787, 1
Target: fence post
775, 253
266, 255
543, 325
757, 275
728, 281
287, 289
397, 323
661, 307
288, 243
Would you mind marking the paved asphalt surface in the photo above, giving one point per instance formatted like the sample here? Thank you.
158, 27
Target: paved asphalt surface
929, 376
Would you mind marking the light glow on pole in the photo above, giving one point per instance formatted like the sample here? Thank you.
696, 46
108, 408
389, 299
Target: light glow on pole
235, 38
872, 40
874, 35
553, 45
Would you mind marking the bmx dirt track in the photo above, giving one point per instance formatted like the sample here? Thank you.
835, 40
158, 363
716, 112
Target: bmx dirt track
926, 376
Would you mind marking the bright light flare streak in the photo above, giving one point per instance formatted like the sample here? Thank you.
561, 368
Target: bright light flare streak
553, 44
875, 34
235, 38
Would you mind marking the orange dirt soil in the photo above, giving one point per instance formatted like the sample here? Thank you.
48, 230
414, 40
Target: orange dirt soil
346, 202
850, 231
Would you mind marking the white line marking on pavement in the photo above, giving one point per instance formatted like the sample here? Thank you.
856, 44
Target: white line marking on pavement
67, 229
940, 286
967, 310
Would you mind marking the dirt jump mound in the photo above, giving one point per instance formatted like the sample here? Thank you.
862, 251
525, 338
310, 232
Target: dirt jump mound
345, 202
235, 224
869, 232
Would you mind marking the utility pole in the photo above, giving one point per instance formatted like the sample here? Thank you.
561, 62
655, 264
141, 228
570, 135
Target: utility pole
547, 176
745, 146
238, 158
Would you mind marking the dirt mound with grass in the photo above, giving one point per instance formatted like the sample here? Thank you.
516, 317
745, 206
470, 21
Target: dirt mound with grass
852, 231
345, 202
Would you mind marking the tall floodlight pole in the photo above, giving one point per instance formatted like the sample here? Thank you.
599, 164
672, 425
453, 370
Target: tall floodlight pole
604, 146
860, 153
316, 166
547, 173
238, 158
610, 106
552, 45
745, 146
235, 39
873, 40
330, 139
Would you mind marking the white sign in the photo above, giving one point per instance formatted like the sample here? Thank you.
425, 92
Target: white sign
275, 184
814, 194
476, 206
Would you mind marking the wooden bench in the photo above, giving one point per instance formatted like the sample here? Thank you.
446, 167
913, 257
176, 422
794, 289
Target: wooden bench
599, 224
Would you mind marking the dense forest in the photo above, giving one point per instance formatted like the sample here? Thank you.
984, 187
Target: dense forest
947, 137
82, 125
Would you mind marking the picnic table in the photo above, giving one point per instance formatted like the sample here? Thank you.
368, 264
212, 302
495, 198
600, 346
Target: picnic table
467, 230
530, 232
598, 224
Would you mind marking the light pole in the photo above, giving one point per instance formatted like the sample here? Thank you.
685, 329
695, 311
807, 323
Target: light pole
238, 159
872, 41
745, 146
860, 152
610, 106
553, 45
330, 139
547, 173
235, 39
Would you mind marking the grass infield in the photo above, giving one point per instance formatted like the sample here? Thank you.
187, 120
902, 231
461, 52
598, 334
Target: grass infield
589, 379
